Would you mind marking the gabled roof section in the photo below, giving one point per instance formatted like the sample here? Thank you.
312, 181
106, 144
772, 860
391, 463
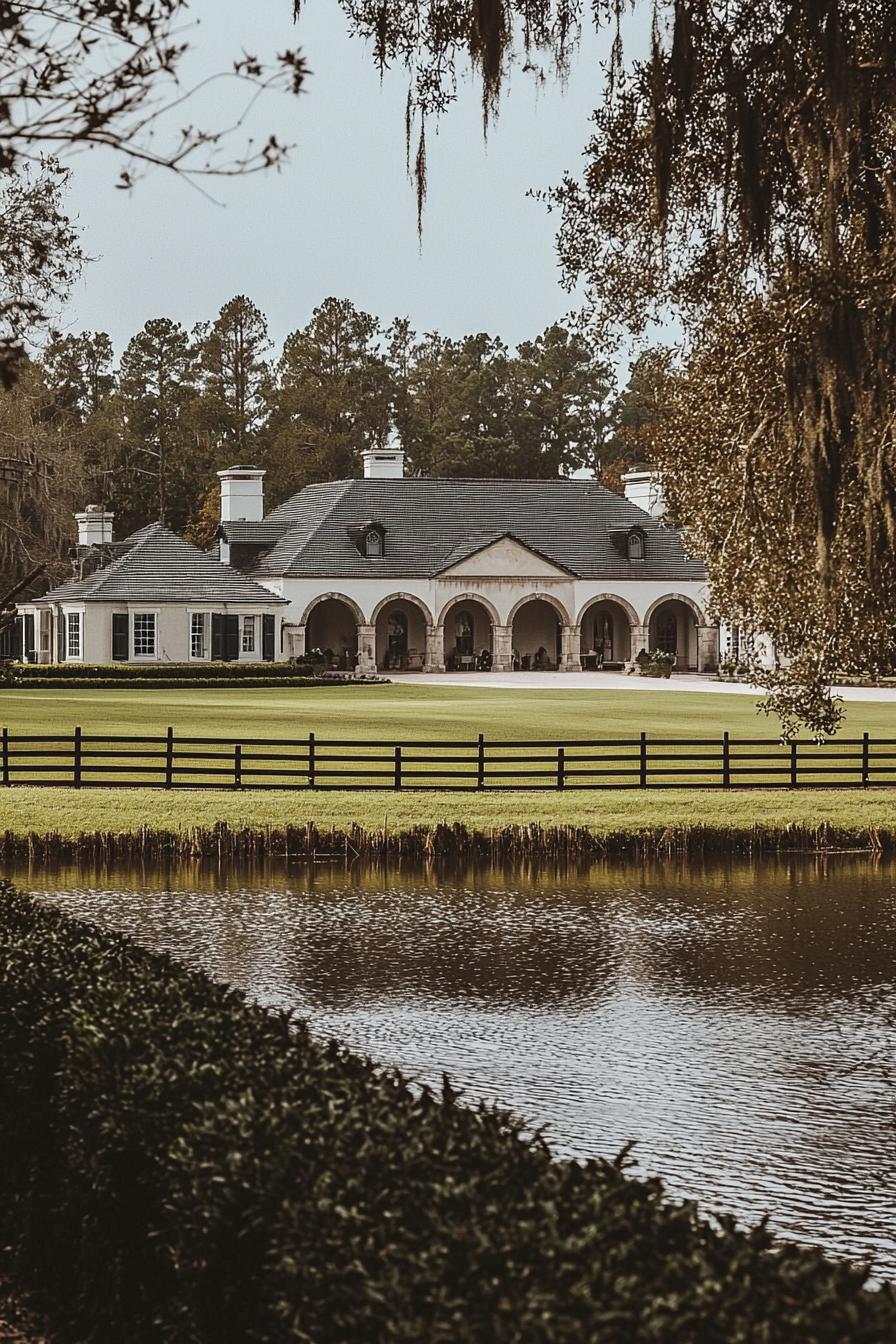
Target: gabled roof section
156, 565
432, 524
467, 550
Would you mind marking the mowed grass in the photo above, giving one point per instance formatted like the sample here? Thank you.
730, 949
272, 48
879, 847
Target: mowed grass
397, 713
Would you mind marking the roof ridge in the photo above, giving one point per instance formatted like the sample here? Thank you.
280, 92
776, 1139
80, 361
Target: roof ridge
317, 523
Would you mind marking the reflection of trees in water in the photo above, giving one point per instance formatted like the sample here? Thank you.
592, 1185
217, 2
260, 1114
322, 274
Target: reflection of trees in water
777, 929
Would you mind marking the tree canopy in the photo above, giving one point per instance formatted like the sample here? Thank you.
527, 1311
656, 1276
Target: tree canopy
739, 179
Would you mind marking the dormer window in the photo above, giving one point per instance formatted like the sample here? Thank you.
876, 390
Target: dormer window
373, 544
635, 544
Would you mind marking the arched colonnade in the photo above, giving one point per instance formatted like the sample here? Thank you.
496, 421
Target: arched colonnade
402, 634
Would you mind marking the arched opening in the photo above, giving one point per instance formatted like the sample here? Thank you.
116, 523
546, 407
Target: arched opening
400, 636
468, 628
672, 628
537, 636
606, 635
332, 628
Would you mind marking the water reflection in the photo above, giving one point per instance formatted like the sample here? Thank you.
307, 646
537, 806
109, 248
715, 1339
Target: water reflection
736, 1021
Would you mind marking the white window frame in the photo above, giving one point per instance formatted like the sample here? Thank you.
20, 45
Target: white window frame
67, 614
206, 637
135, 613
254, 630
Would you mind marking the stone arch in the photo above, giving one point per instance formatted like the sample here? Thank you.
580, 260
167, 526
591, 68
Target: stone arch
478, 648
606, 625
699, 615
401, 597
470, 597
627, 607
333, 597
541, 597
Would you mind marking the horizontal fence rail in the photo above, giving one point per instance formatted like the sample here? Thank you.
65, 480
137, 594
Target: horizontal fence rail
83, 760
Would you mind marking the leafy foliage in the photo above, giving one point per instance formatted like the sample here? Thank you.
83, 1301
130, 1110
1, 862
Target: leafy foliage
180, 1165
739, 180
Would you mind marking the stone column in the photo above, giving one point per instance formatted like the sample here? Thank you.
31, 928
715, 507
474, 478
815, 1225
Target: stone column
366, 650
571, 649
640, 639
707, 648
502, 638
435, 648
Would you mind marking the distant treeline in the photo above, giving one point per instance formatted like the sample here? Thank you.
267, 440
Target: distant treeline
145, 434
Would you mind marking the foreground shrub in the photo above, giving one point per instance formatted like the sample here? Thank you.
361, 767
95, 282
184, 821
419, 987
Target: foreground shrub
181, 1166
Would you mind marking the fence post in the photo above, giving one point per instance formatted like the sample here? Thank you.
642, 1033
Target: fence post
726, 761
480, 762
866, 759
76, 766
398, 767
169, 759
561, 771
237, 765
5, 755
643, 760
312, 764
793, 747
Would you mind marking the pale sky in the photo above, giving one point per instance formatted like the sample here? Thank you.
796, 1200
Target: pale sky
340, 217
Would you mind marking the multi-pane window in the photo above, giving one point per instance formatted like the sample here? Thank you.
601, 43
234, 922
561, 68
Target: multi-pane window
144, 634
73, 628
635, 546
197, 634
374, 543
248, 644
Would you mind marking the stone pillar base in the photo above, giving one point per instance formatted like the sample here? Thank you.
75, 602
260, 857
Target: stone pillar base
707, 648
435, 648
502, 653
640, 639
572, 649
366, 666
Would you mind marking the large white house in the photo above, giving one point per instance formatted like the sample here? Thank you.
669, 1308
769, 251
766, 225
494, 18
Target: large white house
392, 573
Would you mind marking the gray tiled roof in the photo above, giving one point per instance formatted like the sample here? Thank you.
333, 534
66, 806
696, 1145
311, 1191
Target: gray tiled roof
156, 565
430, 524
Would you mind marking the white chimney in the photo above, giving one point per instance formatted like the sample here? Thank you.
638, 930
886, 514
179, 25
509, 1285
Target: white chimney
242, 494
386, 462
645, 488
94, 526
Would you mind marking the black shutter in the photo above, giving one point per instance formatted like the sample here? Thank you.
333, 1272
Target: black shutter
217, 637
121, 636
231, 638
61, 632
28, 641
267, 639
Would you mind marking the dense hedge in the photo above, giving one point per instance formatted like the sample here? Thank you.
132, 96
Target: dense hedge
199, 671
181, 1166
169, 683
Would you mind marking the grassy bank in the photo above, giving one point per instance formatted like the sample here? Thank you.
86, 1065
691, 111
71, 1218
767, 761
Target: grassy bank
70, 812
182, 1166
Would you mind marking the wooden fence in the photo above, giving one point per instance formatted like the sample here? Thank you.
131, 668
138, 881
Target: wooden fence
80, 760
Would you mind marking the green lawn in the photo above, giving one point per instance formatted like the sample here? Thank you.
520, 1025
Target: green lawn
401, 712
394, 712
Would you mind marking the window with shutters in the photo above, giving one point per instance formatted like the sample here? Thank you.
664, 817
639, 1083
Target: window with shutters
248, 640
198, 637
145, 634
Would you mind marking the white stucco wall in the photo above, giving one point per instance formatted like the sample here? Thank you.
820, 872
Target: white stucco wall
172, 629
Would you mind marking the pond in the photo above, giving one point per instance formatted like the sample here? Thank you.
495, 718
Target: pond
735, 1022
